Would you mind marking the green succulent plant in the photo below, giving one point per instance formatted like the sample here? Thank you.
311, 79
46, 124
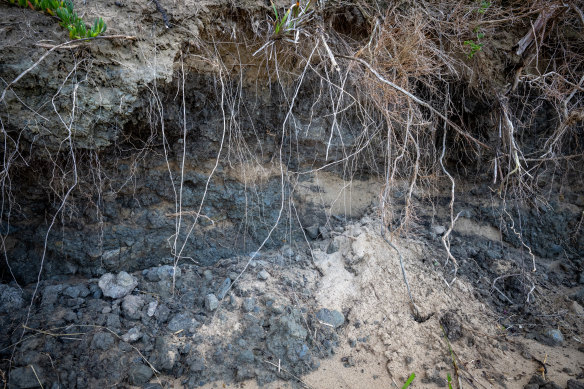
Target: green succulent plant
63, 9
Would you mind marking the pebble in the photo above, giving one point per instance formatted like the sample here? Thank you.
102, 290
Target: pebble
248, 304
140, 374
133, 335
131, 306
439, 230
102, 341
312, 231
25, 377
152, 305
263, 275
224, 288
555, 336
208, 274
334, 318
211, 302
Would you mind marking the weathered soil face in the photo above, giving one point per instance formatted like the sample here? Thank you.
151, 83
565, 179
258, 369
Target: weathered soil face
182, 209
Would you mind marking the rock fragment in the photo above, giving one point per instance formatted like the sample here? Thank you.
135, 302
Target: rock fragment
117, 286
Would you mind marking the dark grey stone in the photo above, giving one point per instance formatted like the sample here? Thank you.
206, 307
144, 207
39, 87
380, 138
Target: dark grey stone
165, 354
76, 291
248, 304
451, 326
113, 321
334, 318
183, 321
333, 247
25, 377
10, 298
246, 356
140, 374
102, 341
197, 364
552, 337
224, 288
312, 232
573, 384
51, 294
208, 274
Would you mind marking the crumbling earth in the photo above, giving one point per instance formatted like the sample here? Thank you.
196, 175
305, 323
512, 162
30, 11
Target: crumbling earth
329, 312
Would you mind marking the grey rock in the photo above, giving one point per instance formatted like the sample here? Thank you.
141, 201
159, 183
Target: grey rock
579, 296
132, 306
51, 294
224, 288
139, 374
536, 379
324, 232
550, 385
76, 291
102, 341
133, 335
263, 275
573, 384
334, 318
208, 274
113, 321
312, 231
246, 356
25, 377
211, 302
451, 325
287, 251
333, 247
166, 354
183, 321
117, 286
248, 304
10, 299
197, 364
581, 278
439, 230
162, 313
165, 272
152, 305
554, 336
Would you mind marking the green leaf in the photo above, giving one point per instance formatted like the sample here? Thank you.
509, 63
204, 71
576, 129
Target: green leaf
275, 11
409, 381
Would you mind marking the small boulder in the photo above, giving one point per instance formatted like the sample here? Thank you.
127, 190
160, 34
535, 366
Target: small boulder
117, 286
